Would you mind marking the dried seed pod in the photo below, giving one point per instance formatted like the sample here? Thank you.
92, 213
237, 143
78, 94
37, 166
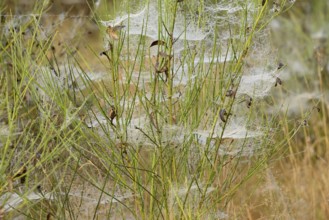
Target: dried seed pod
222, 115
105, 54
230, 93
21, 174
317, 108
280, 65
112, 113
113, 31
278, 81
39, 189
158, 42
248, 100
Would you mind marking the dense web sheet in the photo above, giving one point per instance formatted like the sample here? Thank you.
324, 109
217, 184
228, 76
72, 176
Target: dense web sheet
192, 50
237, 137
135, 23
257, 79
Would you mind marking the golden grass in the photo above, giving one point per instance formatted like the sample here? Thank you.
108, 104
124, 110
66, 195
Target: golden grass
294, 186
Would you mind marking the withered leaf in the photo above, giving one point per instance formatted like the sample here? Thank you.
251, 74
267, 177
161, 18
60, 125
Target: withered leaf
278, 81
113, 31
222, 115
